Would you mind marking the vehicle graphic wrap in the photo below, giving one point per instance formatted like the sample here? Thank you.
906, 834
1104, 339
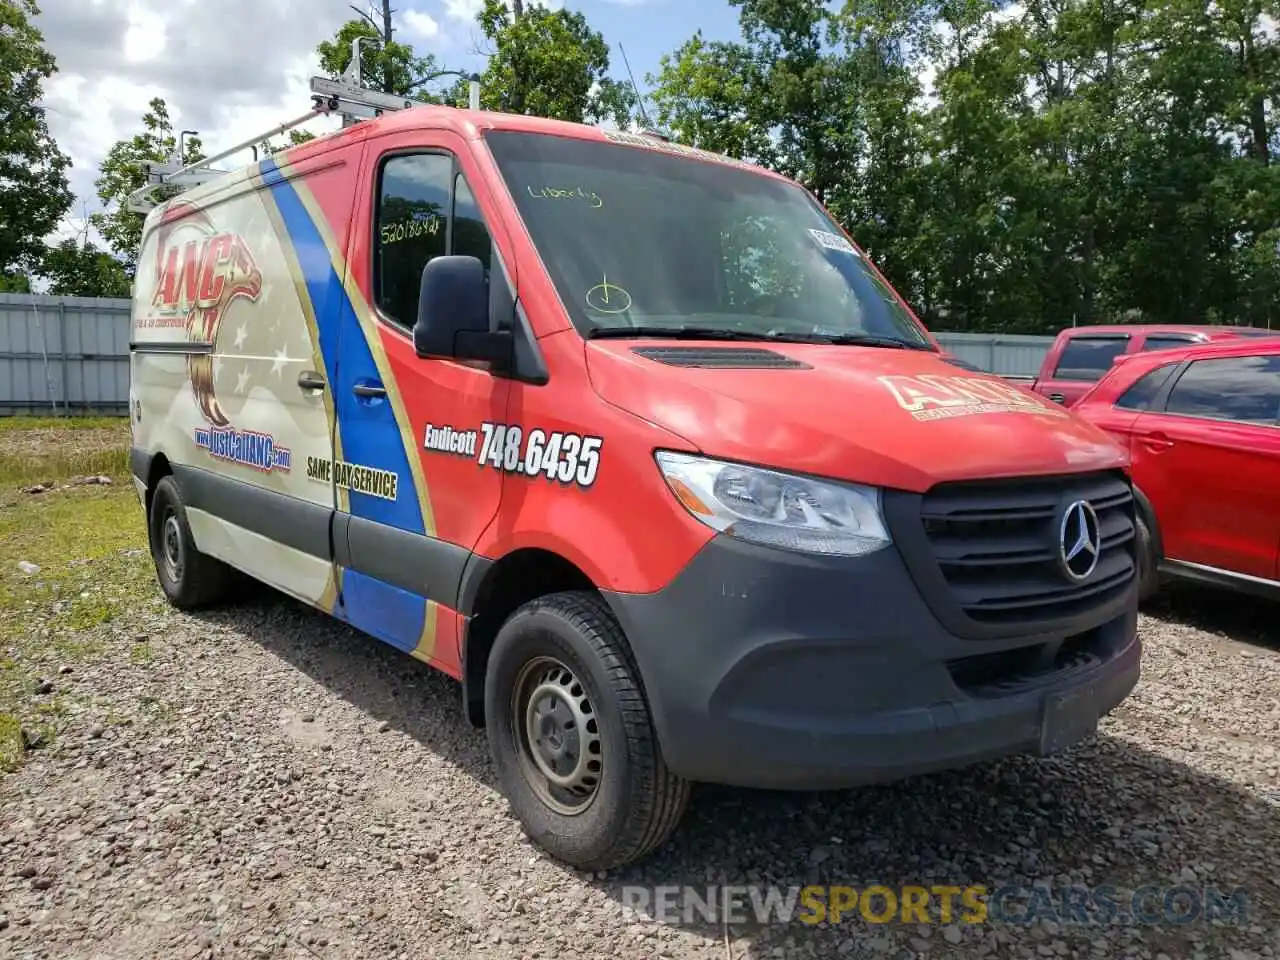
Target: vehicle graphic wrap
200, 271
220, 336
404, 619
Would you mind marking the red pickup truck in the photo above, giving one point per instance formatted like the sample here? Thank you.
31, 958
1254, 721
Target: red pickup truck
1079, 356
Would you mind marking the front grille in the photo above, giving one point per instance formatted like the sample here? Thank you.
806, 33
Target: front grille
988, 554
1023, 668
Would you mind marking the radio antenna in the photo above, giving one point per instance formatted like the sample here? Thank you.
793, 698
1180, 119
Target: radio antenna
639, 98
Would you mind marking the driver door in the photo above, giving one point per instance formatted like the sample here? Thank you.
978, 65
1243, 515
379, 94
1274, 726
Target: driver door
420, 419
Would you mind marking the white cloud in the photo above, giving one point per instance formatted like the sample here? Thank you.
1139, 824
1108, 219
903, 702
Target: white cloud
420, 24
468, 10
228, 70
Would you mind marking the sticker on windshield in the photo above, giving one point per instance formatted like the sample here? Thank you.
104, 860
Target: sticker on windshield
833, 241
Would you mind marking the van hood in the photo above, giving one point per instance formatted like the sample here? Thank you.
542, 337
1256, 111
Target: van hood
904, 419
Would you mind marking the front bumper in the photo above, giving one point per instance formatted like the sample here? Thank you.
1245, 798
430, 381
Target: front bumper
765, 668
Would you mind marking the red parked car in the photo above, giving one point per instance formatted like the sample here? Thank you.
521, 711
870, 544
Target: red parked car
1202, 426
1079, 356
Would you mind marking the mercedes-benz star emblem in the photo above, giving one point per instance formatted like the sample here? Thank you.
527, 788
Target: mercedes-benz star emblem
1079, 540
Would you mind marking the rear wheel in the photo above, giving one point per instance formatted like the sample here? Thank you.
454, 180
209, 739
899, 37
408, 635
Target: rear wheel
188, 577
1148, 562
572, 738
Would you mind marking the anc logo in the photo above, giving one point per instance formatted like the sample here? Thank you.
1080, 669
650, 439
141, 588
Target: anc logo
199, 272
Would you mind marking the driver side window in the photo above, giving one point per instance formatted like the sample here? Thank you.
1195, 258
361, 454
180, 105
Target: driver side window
425, 209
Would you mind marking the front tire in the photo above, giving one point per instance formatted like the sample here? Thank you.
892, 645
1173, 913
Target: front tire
189, 578
572, 738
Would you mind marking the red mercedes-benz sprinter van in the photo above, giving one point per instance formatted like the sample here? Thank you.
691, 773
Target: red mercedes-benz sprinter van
636, 444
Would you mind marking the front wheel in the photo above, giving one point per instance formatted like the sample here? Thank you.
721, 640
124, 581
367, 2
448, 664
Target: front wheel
571, 735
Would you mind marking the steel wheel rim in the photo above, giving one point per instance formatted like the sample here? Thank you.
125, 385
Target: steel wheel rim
557, 736
171, 546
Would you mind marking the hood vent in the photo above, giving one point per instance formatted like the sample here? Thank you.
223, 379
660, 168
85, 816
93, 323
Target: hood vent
724, 358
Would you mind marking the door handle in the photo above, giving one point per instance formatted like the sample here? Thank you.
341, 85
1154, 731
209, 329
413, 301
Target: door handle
372, 390
1057, 398
1156, 442
310, 380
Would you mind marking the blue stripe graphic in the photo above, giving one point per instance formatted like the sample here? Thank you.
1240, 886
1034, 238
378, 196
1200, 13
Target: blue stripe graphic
369, 431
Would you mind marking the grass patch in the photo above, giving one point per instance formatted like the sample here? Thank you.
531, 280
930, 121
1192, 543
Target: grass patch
142, 653
10, 741
52, 450
62, 423
90, 545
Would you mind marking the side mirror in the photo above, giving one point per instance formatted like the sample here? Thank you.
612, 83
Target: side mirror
453, 314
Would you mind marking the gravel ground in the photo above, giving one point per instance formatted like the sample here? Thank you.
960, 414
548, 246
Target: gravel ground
263, 782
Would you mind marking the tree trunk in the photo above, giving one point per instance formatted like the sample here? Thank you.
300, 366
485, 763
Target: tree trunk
517, 63
1257, 104
387, 84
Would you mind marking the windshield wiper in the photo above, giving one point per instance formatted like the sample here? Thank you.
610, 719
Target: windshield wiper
774, 336
676, 333
858, 339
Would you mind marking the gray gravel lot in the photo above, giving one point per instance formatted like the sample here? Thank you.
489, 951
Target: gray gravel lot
263, 782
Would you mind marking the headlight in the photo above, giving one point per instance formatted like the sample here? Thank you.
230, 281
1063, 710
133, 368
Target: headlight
777, 509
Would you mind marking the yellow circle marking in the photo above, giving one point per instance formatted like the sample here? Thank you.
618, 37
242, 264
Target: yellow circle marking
608, 297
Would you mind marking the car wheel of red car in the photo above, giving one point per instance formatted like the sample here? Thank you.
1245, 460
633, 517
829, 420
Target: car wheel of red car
1148, 563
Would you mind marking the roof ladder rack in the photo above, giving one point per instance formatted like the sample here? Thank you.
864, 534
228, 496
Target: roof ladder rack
344, 97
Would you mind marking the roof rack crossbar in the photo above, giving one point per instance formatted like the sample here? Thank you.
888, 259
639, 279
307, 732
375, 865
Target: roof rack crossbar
343, 96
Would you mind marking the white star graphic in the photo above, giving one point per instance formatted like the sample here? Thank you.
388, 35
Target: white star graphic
277, 365
242, 380
241, 333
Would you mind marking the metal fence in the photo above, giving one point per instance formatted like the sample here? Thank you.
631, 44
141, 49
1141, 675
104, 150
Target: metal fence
63, 355
1009, 355
70, 355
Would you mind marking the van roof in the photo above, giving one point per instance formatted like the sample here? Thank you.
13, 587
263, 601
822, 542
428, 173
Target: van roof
468, 124
472, 124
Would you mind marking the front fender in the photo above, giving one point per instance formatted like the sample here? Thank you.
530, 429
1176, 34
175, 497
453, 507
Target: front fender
637, 549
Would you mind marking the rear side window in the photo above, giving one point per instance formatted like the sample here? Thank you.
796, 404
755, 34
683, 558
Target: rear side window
425, 210
1243, 389
1165, 343
1144, 389
1088, 358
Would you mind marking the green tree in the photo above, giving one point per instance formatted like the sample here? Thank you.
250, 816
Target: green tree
385, 64
34, 194
708, 96
15, 283
1086, 160
79, 269
292, 139
548, 63
121, 173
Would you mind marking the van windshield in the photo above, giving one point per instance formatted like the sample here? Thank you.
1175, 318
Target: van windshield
640, 241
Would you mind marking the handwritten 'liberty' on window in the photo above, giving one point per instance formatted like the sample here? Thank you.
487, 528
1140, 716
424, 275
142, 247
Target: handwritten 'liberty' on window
577, 193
